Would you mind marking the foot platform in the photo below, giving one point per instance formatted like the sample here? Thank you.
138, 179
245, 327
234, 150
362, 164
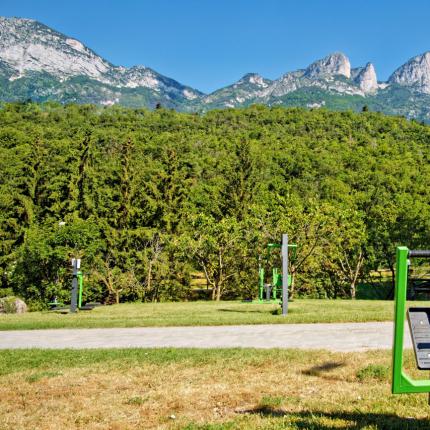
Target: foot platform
419, 324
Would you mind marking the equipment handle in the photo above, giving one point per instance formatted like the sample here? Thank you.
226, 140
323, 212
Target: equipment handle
419, 253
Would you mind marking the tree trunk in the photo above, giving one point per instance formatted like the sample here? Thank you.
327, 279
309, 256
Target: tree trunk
209, 281
393, 276
356, 275
352, 290
221, 276
390, 295
149, 277
218, 292
117, 297
293, 279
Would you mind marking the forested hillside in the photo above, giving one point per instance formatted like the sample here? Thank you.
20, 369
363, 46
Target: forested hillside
146, 198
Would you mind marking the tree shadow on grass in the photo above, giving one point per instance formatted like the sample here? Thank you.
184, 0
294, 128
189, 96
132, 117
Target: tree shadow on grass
277, 311
322, 369
311, 420
247, 311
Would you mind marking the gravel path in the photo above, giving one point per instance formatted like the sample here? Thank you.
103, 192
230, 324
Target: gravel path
333, 337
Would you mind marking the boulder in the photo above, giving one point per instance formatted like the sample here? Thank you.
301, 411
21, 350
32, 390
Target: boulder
12, 305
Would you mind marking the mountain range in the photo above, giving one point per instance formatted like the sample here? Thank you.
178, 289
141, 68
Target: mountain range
39, 63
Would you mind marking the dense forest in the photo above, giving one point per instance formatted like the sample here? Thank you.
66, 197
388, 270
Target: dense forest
147, 198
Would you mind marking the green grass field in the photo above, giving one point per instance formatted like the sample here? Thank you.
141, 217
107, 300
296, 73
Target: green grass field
206, 313
204, 390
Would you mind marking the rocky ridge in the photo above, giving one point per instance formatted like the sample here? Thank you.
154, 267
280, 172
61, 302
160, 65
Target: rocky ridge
27, 46
416, 73
39, 63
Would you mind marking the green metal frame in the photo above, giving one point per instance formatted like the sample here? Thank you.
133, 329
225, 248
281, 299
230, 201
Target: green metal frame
276, 283
81, 287
276, 276
401, 382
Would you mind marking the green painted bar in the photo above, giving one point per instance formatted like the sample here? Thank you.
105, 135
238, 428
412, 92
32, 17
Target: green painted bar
401, 382
81, 286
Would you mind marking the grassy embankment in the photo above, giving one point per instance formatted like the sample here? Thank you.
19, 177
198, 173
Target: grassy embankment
206, 313
204, 389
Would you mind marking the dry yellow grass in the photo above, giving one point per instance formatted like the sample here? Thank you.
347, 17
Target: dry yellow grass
229, 389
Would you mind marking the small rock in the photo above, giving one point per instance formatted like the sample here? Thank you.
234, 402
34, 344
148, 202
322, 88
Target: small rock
172, 417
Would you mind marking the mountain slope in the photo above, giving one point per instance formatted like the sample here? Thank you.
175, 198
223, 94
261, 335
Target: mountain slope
39, 63
415, 73
63, 69
330, 75
28, 45
332, 83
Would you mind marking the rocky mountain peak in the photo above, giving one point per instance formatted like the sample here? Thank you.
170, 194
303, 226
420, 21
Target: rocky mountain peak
415, 72
365, 78
254, 79
41, 63
332, 65
27, 45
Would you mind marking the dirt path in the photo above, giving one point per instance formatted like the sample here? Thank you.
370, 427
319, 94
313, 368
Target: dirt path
333, 337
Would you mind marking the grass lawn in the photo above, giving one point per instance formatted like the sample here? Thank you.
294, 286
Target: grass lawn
206, 313
204, 389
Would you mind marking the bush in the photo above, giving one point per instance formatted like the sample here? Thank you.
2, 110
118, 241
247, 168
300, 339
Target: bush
5, 292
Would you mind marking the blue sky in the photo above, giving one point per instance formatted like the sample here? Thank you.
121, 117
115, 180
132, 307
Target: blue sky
209, 44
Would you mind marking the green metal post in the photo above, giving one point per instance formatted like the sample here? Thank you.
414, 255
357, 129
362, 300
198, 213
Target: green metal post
401, 382
399, 316
277, 283
81, 285
284, 253
260, 283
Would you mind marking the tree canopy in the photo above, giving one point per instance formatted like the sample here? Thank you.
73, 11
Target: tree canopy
147, 198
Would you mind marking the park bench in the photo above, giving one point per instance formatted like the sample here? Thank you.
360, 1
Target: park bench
419, 286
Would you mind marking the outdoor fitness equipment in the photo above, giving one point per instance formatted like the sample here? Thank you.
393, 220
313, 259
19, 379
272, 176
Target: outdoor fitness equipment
419, 325
78, 281
76, 293
76, 299
77, 278
277, 290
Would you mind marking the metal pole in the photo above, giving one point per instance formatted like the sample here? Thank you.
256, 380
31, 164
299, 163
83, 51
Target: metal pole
284, 253
260, 279
74, 299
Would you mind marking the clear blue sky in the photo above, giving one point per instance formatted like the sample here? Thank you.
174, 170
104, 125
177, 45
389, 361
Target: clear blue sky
208, 44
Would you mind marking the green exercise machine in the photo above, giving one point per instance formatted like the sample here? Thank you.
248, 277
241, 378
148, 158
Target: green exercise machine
55, 305
419, 326
276, 291
76, 293
77, 280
